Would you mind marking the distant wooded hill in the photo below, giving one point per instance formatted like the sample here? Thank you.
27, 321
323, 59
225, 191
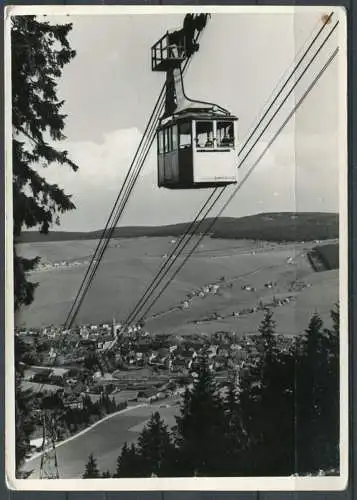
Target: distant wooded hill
285, 226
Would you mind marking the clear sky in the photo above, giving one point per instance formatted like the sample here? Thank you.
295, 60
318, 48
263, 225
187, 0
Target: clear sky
110, 91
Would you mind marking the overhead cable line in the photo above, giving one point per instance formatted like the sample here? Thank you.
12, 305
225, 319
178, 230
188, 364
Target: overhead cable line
168, 265
176, 251
296, 67
105, 240
291, 90
107, 226
296, 107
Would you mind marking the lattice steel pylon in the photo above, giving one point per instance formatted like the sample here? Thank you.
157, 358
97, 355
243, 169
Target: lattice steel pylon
49, 465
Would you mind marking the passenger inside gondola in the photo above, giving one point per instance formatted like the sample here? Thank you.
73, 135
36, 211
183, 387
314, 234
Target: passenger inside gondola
225, 134
209, 143
226, 141
204, 134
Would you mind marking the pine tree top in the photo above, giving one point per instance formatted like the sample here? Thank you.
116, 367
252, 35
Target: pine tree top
91, 470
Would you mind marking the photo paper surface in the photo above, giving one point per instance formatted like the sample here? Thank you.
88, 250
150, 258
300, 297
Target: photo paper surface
176, 248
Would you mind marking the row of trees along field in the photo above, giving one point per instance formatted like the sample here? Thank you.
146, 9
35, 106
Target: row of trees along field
72, 419
283, 419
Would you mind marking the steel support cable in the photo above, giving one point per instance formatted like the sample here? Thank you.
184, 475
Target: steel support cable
190, 230
140, 305
293, 87
119, 211
297, 65
121, 208
102, 246
103, 235
96, 260
252, 168
90, 274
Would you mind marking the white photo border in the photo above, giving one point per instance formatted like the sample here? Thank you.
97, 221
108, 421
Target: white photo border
292, 483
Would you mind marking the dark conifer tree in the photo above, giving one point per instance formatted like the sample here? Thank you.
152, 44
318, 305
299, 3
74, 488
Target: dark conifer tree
128, 462
309, 365
91, 470
331, 401
39, 51
267, 407
114, 405
266, 339
318, 396
121, 461
236, 439
87, 404
333, 334
155, 447
201, 428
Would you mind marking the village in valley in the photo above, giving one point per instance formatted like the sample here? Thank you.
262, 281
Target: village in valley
130, 365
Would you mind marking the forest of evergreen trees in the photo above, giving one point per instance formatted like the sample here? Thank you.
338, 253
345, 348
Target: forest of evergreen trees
282, 418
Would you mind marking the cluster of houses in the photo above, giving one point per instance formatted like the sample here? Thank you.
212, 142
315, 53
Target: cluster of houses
298, 285
145, 365
276, 301
49, 266
210, 289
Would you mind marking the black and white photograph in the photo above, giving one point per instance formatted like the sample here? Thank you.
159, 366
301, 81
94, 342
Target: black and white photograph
176, 248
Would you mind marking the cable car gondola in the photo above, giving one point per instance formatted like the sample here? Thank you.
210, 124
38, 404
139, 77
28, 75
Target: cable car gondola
196, 140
